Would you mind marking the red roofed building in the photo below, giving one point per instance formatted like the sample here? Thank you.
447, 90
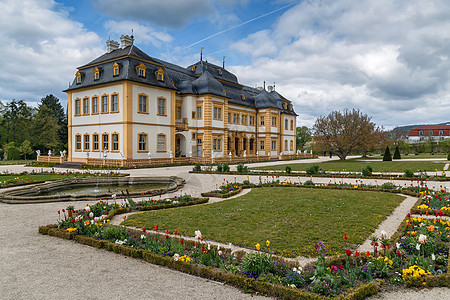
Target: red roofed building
435, 132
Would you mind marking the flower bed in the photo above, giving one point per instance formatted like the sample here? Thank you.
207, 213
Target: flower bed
419, 257
226, 190
433, 203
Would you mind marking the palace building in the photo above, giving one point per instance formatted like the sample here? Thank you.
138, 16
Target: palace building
126, 105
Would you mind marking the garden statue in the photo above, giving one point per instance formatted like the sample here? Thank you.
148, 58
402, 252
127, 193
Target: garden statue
38, 152
229, 154
122, 155
190, 153
257, 153
245, 153
49, 152
170, 154
61, 154
87, 155
149, 155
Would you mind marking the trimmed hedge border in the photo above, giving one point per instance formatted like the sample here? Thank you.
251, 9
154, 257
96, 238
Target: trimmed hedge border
216, 274
123, 210
283, 173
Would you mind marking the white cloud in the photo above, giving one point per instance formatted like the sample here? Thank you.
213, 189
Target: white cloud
143, 34
389, 59
41, 49
171, 14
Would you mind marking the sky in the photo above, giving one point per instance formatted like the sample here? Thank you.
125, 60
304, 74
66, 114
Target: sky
389, 59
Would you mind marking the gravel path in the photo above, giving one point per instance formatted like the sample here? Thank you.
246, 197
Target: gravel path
34, 266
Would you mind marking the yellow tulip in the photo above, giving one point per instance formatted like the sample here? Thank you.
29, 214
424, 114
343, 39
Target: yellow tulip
258, 246
268, 243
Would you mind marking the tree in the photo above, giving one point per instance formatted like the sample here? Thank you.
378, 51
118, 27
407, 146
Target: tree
45, 129
16, 121
387, 155
397, 153
303, 136
25, 148
342, 132
55, 109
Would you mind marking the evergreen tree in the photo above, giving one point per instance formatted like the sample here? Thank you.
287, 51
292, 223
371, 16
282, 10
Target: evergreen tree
387, 155
45, 130
25, 148
397, 153
56, 110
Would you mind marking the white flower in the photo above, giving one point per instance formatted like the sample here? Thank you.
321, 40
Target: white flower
142, 236
96, 219
198, 234
88, 208
176, 257
418, 247
398, 245
220, 253
433, 257
383, 234
92, 221
218, 248
114, 196
91, 215
209, 247
77, 219
422, 239
120, 242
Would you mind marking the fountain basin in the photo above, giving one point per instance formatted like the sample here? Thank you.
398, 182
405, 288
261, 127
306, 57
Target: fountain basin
38, 193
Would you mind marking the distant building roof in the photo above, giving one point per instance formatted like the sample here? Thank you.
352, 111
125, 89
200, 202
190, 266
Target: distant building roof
431, 130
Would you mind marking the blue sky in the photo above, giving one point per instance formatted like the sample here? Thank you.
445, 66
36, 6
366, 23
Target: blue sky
387, 58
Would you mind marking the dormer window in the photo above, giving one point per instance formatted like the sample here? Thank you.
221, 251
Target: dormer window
243, 96
96, 73
79, 77
116, 68
220, 71
160, 75
224, 92
193, 68
141, 70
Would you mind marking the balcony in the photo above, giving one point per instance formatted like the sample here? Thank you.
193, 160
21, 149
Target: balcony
181, 125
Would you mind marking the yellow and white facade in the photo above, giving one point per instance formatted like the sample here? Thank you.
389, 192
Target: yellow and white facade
126, 105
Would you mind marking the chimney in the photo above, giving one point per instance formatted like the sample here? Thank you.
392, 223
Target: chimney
126, 41
112, 45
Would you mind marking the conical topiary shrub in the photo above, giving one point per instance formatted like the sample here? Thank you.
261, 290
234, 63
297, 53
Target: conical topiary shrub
387, 155
397, 154
448, 156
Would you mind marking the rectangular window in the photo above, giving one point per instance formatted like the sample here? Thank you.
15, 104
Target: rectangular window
215, 113
105, 142
286, 124
214, 144
193, 115
115, 142
96, 75
274, 145
292, 145
178, 112
274, 121
229, 118
142, 103
77, 107
193, 136
292, 125
243, 120
104, 104
115, 103
261, 121
142, 142
86, 106
261, 145
87, 145
95, 142
286, 145
116, 72
141, 72
78, 142
161, 106
199, 112
95, 105
161, 143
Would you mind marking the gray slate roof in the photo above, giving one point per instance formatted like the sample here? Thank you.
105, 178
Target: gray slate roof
199, 78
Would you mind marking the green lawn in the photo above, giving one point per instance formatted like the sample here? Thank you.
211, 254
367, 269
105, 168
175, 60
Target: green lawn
353, 165
293, 219
8, 179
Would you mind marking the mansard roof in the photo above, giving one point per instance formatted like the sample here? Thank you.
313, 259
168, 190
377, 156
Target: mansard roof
199, 78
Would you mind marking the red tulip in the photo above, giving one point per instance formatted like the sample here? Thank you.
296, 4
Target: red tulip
367, 254
167, 231
59, 212
348, 252
182, 241
356, 253
341, 267
175, 232
156, 227
345, 235
143, 230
